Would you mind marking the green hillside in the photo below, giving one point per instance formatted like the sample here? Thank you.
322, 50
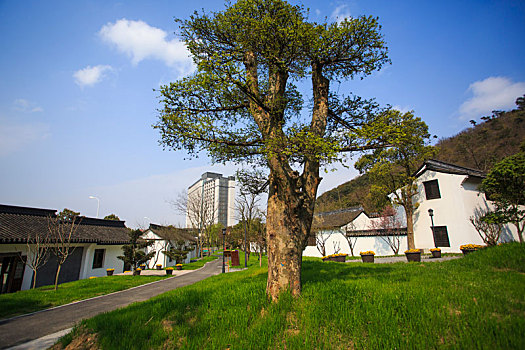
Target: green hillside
477, 147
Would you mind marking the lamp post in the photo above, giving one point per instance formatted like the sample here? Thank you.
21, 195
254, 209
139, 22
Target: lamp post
431, 214
223, 247
98, 203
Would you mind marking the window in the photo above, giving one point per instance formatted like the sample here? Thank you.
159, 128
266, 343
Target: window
440, 236
432, 189
98, 258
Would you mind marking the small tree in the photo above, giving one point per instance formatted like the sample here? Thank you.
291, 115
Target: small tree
352, 240
62, 229
488, 224
134, 254
37, 246
505, 185
320, 241
390, 226
178, 251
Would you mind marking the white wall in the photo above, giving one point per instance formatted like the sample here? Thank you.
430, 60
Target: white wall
459, 199
375, 243
159, 246
110, 260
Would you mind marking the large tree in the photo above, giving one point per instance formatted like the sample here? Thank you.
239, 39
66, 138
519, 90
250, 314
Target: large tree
242, 105
392, 169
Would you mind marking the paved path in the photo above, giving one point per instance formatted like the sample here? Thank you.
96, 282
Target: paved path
22, 329
396, 259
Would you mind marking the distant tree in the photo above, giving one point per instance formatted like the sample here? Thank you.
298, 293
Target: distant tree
488, 224
201, 214
112, 217
505, 185
62, 232
520, 102
178, 251
392, 169
320, 241
133, 252
252, 184
389, 224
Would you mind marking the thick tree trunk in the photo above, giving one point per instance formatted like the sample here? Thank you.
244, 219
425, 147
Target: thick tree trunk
284, 241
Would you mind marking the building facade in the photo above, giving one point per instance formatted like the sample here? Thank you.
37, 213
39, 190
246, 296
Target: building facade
211, 200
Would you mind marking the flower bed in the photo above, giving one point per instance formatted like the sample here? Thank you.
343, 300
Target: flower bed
469, 248
436, 252
169, 270
413, 255
368, 256
179, 266
335, 257
109, 272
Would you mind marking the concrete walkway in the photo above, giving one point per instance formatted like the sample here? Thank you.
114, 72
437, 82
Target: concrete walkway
25, 328
396, 259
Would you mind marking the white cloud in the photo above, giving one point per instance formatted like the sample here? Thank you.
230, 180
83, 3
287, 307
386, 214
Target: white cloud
404, 109
341, 13
24, 105
493, 93
14, 137
140, 41
90, 76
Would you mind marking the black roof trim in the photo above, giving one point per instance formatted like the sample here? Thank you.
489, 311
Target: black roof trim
13, 209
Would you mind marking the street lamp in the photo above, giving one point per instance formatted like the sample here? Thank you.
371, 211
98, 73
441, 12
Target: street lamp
245, 242
223, 247
431, 214
98, 203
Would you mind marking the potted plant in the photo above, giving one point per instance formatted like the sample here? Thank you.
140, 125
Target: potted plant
109, 272
136, 272
159, 266
413, 255
179, 266
143, 266
469, 248
368, 256
436, 252
169, 270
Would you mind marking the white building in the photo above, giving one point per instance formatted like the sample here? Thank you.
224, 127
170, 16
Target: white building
96, 243
211, 199
352, 226
452, 193
166, 238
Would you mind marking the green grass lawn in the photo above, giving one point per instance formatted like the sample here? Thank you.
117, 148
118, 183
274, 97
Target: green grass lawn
474, 302
27, 301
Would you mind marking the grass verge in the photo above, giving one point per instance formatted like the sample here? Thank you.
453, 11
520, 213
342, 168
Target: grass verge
474, 302
45, 297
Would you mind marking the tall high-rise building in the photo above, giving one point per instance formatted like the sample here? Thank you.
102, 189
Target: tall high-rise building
211, 199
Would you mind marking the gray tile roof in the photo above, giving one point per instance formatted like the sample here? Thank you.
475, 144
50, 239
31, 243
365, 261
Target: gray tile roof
19, 223
173, 233
335, 219
443, 167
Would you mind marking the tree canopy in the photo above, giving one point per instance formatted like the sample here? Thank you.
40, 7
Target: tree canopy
505, 185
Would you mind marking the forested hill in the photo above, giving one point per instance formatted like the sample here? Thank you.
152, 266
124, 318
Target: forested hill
477, 147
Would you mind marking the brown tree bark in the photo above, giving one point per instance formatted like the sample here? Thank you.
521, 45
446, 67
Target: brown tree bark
409, 210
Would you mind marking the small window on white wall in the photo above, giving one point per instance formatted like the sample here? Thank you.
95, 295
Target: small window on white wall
432, 189
98, 258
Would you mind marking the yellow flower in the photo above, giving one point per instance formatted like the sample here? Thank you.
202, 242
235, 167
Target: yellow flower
369, 252
92, 277
471, 246
435, 250
178, 265
413, 251
169, 268
110, 269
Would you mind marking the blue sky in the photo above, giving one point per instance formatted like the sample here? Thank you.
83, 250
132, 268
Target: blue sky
77, 100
